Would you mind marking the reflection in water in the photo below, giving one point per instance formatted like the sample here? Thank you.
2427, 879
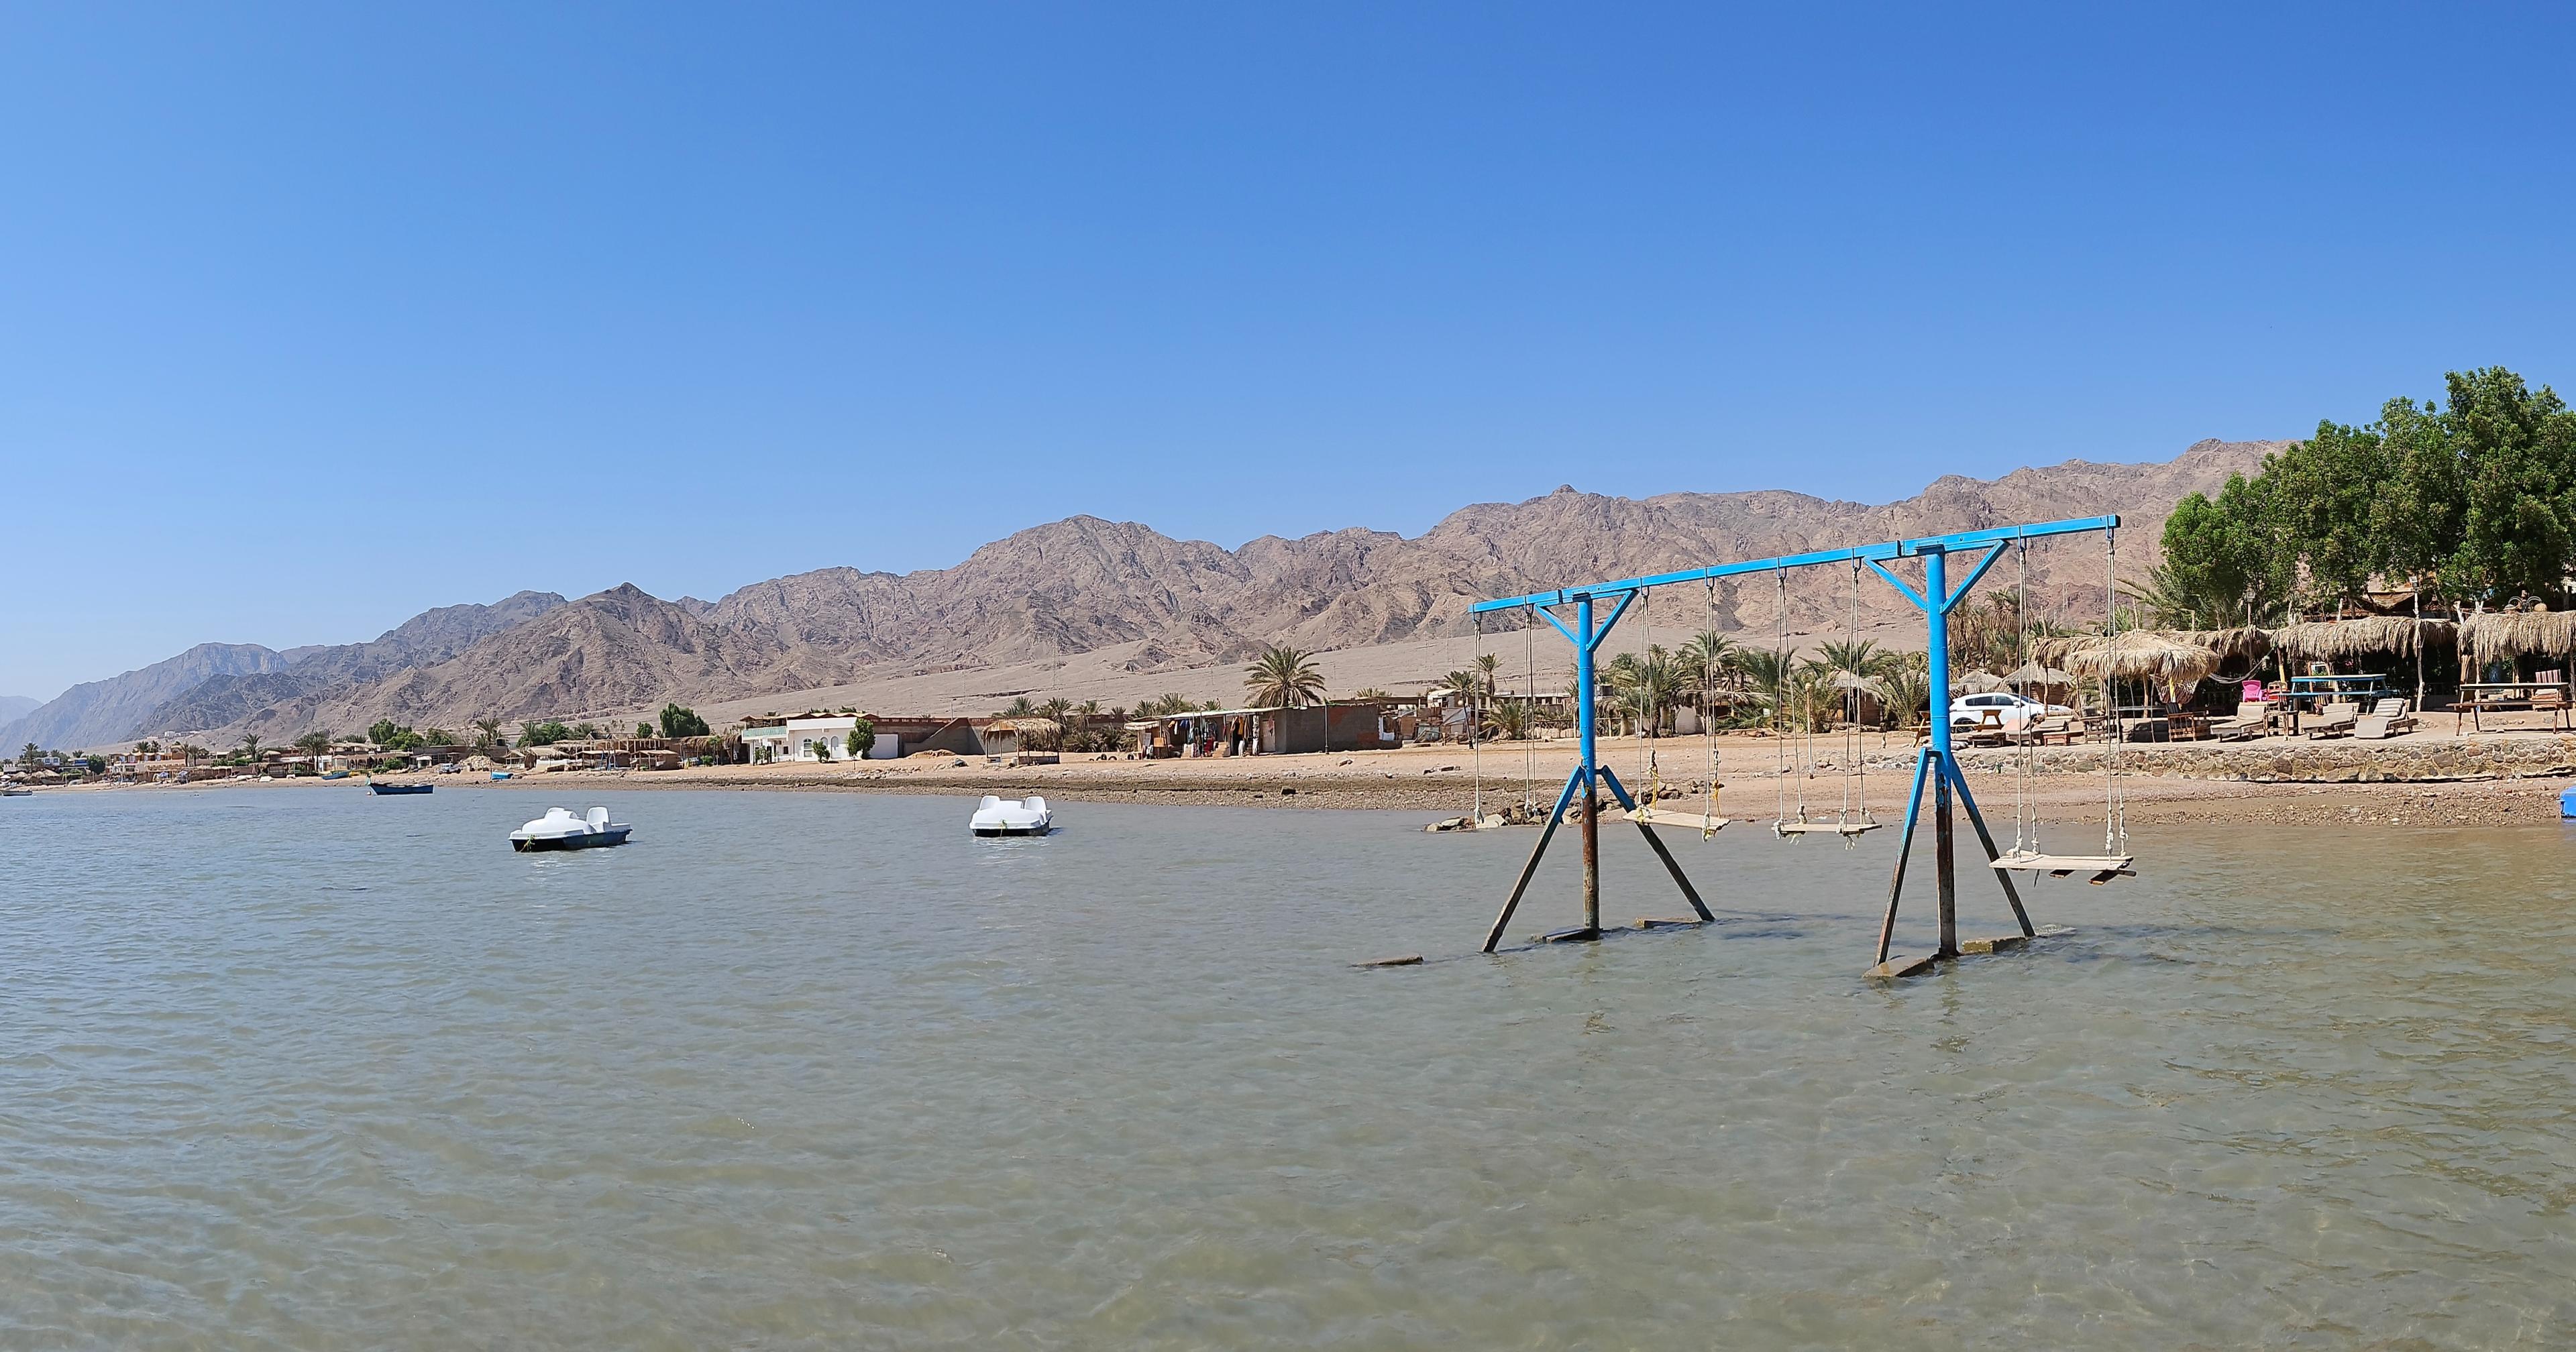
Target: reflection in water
310, 1068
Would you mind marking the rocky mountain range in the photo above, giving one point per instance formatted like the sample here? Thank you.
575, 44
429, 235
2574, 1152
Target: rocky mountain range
1084, 584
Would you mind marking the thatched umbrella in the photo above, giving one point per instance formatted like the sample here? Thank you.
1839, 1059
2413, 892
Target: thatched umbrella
2032, 673
1982, 683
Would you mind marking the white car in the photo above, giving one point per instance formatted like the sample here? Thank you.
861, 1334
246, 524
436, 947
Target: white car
2001, 709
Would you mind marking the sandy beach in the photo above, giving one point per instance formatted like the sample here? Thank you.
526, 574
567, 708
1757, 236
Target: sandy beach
2425, 778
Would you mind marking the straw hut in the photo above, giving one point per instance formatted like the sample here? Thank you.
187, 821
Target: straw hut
1981, 683
2503, 636
1004, 736
2364, 637
2244, 646
2145, 655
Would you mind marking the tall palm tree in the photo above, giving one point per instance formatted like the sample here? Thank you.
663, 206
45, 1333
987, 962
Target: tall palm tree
1284, 677
487, 733
250, 746
1489, 667
29, 754
1771, 674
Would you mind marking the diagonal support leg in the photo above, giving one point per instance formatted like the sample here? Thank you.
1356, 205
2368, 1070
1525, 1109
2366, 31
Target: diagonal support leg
1904, 847
1671, 865
1986, 838
1530, 869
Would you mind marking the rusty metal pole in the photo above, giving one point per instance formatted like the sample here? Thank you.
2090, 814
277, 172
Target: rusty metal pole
1936, 592
1586, 726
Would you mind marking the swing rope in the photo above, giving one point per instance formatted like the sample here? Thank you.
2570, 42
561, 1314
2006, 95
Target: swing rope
1529, 712
1780, 707
1475, 743
2115, 813
1708, 725
1856, 783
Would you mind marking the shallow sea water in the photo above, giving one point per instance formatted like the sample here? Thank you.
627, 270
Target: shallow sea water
312, 1069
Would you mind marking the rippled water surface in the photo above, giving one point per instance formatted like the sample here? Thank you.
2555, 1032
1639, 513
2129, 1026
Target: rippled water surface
306, 1068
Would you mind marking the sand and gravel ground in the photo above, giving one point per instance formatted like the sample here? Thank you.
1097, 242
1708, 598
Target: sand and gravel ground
1443, 781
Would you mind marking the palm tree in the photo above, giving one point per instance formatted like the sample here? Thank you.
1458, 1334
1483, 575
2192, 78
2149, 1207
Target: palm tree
1488, 666
487, 733
250, 747
2171, 604
1284, 677
1771, 674
1508, 720
29, 754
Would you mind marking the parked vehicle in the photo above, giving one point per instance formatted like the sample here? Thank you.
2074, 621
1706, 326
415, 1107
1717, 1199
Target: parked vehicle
2001, 709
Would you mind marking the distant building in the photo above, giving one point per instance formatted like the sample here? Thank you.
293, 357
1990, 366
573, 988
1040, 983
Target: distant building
1345, 725
826, 737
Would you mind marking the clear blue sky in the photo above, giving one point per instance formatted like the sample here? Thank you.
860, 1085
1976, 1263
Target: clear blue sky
549, 296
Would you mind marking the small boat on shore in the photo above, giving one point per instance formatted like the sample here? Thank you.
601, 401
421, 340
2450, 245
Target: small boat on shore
560, 830
498, 775
13, 791
997, 816
378, 787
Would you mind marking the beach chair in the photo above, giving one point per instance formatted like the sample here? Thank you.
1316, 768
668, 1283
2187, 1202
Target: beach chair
2551, 700
2336, 721
2252, 717
2386, 719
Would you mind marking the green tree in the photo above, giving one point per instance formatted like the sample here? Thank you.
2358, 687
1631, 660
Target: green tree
30, 754
683, 722
381, 732
1285, 678
545, 733
438, 737
147, 748
863, 734
250, 747
487, 734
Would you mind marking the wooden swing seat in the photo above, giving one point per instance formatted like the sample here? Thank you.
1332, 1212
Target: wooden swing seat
1662, 816
1844, 829
2103, 867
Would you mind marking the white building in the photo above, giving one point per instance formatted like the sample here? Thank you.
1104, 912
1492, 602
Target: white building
814, 737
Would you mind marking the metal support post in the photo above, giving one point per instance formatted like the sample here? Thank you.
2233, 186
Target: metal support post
1584, 725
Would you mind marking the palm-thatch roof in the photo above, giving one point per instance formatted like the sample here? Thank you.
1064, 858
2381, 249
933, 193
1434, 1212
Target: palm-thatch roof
2032, 673
1024, 727
2143, 654
2494, 637
1982, 683
2362, 636
2244, 643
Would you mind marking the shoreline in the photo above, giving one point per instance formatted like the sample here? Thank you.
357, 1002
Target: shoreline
2493, 779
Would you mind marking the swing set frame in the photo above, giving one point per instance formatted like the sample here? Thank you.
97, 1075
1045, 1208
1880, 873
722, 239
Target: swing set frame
1935, 765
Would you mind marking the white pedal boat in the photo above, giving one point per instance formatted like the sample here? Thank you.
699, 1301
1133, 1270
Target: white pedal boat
997, 816
560, 830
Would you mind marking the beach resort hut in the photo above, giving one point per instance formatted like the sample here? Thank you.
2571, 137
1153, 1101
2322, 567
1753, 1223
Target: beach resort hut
2146, 657
2396, 646
1014, 736
2497, 638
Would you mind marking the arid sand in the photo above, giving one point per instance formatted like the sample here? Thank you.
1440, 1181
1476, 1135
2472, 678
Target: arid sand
1440, 781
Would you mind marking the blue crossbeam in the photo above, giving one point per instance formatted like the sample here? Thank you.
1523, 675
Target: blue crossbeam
1893, 549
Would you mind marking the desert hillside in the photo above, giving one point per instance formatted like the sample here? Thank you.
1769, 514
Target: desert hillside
1096, 609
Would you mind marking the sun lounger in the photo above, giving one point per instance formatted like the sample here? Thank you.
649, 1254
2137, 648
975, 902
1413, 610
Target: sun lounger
2336, 721
2252, 717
